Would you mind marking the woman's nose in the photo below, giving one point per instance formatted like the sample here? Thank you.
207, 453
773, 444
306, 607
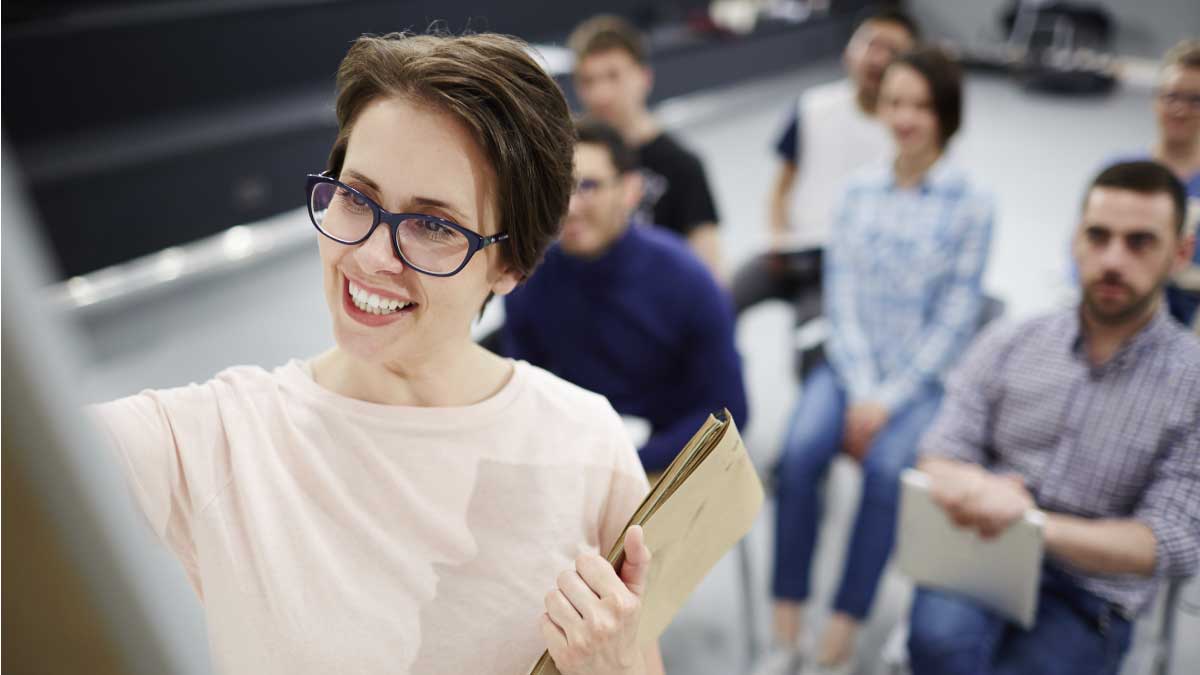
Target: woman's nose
378, 254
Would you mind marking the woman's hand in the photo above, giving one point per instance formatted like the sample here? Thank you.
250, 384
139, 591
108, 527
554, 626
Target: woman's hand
592, 617
863, 422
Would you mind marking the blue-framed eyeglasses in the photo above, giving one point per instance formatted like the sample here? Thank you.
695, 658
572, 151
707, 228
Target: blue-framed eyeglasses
428, 244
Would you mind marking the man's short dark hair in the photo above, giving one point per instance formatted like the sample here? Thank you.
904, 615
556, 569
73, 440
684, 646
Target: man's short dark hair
944, 76
606, 32
1145, 177
590, 130
889, 14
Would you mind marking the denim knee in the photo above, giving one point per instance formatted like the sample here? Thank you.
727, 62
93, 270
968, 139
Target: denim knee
881, 474
949, 635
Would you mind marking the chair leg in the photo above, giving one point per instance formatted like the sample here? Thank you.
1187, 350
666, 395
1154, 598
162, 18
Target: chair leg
1166, 635
749, 615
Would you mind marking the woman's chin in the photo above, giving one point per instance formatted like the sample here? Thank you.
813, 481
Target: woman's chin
369, 348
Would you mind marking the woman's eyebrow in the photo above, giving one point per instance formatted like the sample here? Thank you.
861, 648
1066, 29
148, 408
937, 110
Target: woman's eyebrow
359, 177
439, 204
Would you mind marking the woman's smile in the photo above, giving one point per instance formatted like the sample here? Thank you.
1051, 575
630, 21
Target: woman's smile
372, 306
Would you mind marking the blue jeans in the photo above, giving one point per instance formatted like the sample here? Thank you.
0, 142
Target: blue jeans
1075, 632
813, 441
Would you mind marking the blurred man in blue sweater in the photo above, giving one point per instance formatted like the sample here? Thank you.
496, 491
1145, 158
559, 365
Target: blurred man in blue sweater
628, 311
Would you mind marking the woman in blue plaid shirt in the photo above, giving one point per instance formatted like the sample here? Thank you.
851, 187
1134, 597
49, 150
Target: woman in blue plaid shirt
903, 299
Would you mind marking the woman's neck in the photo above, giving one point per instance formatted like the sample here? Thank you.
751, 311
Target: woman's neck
472, 374
1182, 157
910, 168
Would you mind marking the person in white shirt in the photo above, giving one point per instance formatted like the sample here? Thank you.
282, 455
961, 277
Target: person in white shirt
831, 132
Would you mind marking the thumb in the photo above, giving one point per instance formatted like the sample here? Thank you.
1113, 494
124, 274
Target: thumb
636, 567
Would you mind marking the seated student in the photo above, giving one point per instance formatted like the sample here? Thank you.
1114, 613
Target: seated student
1177, 111
903, 296
628, 311
1091, 414
613, 80
832, 131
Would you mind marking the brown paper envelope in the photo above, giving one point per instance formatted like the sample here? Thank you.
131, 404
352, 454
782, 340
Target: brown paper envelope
705, 515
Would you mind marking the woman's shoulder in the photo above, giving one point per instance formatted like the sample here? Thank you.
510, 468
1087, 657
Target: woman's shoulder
561, 398
199, 397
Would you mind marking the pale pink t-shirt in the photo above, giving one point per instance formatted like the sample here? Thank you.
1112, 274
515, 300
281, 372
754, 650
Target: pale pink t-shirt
325, 534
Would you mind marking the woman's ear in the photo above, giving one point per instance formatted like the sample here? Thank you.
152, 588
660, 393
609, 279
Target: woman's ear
506, 280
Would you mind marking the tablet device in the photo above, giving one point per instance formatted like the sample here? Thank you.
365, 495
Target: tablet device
1002, 573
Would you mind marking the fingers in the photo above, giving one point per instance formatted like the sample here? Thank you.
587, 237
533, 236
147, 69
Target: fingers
579, 594
599, 575
556, 641
564, 615
592, 616
636, 568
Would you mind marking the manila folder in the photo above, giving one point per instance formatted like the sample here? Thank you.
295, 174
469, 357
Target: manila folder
702, 505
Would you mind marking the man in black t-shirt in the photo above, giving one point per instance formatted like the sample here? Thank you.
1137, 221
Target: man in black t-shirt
613, 80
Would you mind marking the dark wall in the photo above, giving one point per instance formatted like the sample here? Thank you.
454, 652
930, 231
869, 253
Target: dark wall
144, 125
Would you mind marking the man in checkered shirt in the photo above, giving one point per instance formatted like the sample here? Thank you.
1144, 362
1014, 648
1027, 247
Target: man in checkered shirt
1091, 414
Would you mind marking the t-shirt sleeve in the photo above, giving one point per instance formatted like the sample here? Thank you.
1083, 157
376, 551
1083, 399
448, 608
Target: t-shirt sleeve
788, 145
701, 208
687, 203
161, 439
627, 488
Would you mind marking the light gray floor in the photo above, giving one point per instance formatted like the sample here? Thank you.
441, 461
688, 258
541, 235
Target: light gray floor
1035, 153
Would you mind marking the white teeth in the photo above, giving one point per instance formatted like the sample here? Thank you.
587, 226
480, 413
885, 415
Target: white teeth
372, 303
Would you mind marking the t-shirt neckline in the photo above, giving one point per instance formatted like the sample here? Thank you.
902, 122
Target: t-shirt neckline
297, 373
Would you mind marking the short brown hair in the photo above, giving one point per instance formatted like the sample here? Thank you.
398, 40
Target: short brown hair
1145, 177
513, 108
606, 32
1185, 54
944, 76
598, 132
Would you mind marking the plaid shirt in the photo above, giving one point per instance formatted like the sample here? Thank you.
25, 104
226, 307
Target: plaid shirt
902, 280
1119, 440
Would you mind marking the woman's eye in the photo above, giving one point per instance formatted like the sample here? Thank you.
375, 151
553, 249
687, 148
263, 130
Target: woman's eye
353, 200
437, 229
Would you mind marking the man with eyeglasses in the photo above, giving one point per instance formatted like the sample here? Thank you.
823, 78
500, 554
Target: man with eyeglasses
1177, 111
627, 310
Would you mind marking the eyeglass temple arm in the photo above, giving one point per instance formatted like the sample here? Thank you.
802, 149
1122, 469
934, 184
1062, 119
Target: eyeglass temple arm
488, 241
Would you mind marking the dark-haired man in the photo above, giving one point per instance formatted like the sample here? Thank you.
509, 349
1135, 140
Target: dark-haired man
627, 310
613, 79
1092, 415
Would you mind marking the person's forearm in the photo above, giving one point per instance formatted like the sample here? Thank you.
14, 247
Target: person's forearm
781, 193
706, 244
1102, 546
942, 467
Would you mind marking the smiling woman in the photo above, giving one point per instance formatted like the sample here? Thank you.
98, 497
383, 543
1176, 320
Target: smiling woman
407, 501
